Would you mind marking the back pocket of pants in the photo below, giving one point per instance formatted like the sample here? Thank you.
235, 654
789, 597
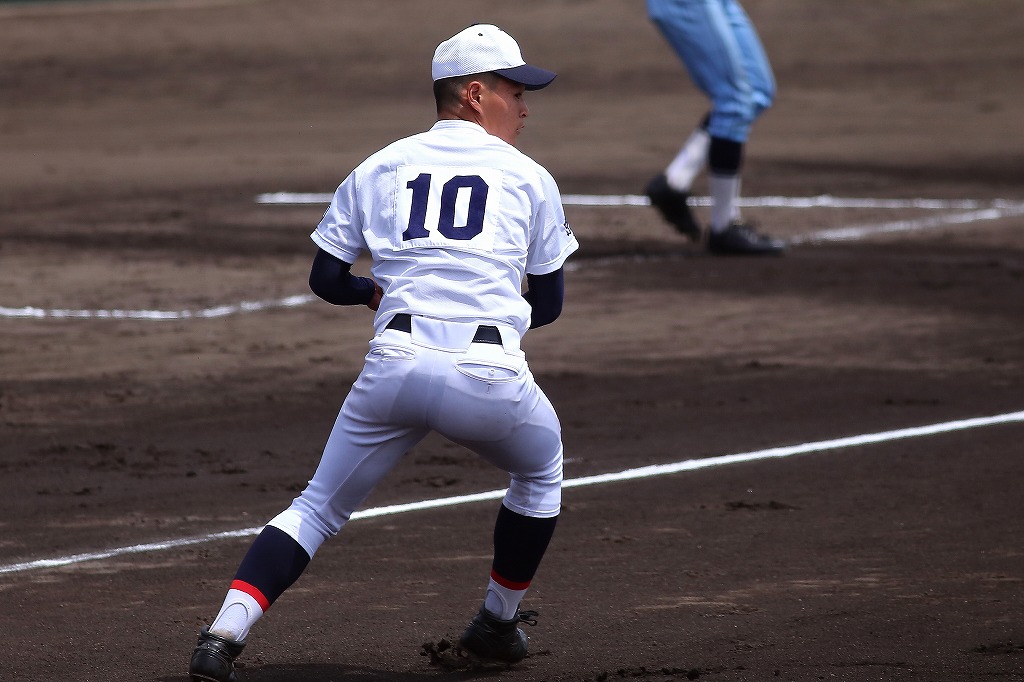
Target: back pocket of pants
384, 352
489, 372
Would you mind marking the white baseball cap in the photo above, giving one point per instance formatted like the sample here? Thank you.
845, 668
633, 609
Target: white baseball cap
483, 48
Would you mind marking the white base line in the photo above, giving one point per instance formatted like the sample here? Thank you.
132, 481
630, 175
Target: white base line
820, 201
858, 232
205, 313
969, 211
626, 475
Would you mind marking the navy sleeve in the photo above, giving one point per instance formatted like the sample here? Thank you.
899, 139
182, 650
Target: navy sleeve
545, 294
331, 280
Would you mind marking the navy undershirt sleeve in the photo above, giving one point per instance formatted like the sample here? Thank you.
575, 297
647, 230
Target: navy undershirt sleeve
330, 279
545, 294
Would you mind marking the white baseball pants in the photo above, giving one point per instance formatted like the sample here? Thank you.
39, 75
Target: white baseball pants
479, 395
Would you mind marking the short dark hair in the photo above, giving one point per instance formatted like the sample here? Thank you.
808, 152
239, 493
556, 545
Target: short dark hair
447, 90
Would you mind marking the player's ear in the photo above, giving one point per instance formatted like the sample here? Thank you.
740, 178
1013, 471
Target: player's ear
474, 92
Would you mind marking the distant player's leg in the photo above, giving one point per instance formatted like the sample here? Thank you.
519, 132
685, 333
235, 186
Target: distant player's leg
670, 190
700, 32
729, 133
756, 66
702, 35
683, 170
725, 160
681, 23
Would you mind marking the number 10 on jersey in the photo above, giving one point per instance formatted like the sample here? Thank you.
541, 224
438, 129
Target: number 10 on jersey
444, 203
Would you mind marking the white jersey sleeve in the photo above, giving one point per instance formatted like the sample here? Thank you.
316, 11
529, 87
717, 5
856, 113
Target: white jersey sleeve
340, 230
553, 240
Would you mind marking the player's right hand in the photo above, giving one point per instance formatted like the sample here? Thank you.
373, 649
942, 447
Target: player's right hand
378, 294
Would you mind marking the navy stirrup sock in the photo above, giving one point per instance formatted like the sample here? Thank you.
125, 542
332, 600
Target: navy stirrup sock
519, 545
272, 564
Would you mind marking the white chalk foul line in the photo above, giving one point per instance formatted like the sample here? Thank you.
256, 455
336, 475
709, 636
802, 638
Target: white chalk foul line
927, 223
970, 211
821, 201
204, 313
625, 475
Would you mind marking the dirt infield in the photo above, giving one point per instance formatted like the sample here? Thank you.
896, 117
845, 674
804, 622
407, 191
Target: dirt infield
135, 138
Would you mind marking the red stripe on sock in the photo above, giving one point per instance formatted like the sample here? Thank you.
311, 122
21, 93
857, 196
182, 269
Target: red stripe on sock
509, 584
252, 591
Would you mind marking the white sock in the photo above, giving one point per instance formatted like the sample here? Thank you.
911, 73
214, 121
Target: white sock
689, 162
238, 614
502, 601
725, 193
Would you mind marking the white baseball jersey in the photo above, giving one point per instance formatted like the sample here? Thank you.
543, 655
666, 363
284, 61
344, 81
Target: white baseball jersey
454, 219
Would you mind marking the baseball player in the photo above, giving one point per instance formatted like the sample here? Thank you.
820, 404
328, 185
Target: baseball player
455, 218
720, 48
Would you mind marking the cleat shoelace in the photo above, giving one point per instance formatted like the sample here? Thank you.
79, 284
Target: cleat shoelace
528, 617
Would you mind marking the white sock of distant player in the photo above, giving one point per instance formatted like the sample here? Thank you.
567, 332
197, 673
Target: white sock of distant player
689, 162
725, 207
238, 614
502, 601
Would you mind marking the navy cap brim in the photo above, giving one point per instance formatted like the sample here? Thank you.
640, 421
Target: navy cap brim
533, 77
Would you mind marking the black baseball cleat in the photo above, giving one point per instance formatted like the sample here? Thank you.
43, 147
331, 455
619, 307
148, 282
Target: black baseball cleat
673, 206
213, 659
740, 239
490, 638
